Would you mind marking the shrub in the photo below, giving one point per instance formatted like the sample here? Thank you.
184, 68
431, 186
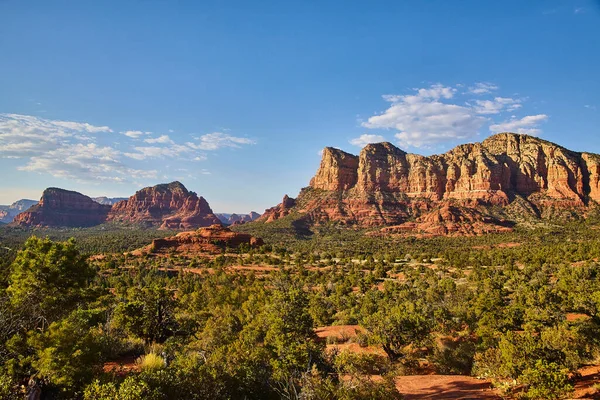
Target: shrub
546, 381
370, 364
151, 362
456, 358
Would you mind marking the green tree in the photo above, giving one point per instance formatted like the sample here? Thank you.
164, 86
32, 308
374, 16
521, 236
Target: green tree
71, 350
48, 279
397, 327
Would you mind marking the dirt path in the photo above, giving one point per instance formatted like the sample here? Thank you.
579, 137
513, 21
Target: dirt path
444, 387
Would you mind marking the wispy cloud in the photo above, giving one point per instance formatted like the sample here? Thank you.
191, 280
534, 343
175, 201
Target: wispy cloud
496, 105
482, 88
24, 135
434, 115
72, 150
163, 139
217, 140
527, 125
425, 119
365, 139
172, 151
85, 163
135, 134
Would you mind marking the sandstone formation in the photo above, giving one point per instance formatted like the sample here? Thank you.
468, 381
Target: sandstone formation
235, 219
60, 207
385, 186
452, 221
168, 206
279, 211
212, 239
8, 213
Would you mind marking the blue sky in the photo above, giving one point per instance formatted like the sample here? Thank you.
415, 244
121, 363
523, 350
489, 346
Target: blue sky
236, 98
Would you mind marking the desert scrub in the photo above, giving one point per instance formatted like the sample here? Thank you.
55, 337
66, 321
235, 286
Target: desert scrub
151, 362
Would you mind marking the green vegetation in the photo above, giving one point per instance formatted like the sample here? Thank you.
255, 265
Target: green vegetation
522, 309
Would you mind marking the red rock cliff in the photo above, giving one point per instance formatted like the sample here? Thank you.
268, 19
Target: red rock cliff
386, 186
169, 206
59, 207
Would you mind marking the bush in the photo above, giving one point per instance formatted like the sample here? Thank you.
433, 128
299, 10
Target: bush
151, 362
369, 364
456, 358
546, 381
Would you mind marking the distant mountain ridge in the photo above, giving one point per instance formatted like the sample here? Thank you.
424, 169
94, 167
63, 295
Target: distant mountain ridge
108, 200
166, 206
8, 213
235, 219
473, 188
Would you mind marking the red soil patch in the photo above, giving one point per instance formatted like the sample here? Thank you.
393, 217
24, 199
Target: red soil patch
584, 386
122, 366
355, 348
444, 387
339, 331
575, 317
347, 333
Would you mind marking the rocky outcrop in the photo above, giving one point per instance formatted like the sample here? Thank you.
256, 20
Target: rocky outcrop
213, 239
236, 219
60, 207
338, 170
168, 206
8, 213
384, 185
279, 211
452, 221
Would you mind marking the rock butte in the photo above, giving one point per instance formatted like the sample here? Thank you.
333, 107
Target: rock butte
167, 206
60, 207
212, 239
441, 194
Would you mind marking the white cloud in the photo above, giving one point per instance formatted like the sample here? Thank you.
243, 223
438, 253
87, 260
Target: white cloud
164, 139
217, 140
482, 88
591, 107
497, 105
24, 135
173, 151
424, 119
528, 125
84, 163
135, 134
78, 126
63, 149
72, 150
365, 139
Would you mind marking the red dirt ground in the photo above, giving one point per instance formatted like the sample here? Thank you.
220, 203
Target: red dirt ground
122, 366
444, 387
339, 331
584, 387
